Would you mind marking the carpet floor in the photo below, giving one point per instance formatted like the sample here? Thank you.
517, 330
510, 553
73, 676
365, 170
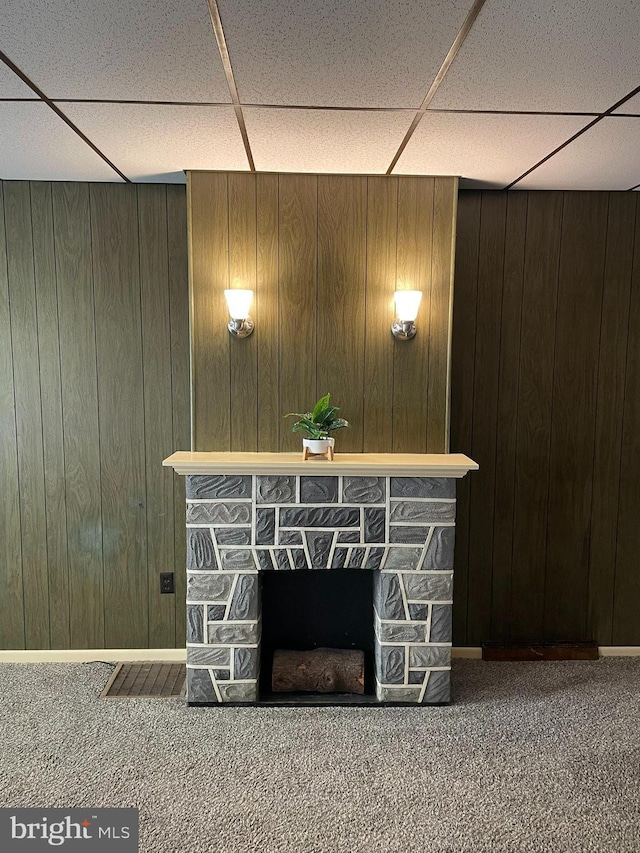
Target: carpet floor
531, 757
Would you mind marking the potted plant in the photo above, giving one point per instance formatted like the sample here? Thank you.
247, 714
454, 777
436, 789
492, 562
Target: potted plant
316, 427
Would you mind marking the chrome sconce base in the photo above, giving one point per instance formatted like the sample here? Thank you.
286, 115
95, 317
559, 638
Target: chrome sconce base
403, 330
241, 328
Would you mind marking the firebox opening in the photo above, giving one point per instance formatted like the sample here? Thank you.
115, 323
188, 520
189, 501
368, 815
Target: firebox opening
312, 609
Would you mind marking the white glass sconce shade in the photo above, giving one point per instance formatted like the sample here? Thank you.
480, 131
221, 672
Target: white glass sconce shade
238, 303
407, 305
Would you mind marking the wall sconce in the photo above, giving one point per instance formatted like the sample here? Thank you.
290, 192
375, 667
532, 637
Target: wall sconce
239, 302
407, 304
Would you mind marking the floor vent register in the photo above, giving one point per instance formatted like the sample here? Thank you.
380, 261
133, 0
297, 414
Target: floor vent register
145, 680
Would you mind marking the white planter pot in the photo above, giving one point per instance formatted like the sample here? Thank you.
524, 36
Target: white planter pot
318, 445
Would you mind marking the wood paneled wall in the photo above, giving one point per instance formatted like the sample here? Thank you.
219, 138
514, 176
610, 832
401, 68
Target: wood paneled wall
323, 255
94, 384
94, 392
546, 397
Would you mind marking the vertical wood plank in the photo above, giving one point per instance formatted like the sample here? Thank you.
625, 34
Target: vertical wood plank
382, 227
209, 272
267, 332
44, 263
626, 625
485, 413
462, 378
445, 206
54, 310
584, 228
11, 601
614, 333
534, 411
180, 385
80, 413
26, 374
116, 275
411, 358
342, 207
242, 274
505, 463
298, 219
158, 414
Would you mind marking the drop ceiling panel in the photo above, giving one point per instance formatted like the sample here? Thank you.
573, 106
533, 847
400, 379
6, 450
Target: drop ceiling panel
36, 145
160, 50
341, 141
382, 53
574, 55
154, 143
630, 107
487, 150
11, 86
606, 157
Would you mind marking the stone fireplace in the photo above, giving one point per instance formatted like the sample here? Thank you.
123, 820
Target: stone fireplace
400, 527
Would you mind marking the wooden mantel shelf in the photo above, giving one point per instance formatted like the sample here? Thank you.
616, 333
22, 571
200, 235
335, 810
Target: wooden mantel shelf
357, 464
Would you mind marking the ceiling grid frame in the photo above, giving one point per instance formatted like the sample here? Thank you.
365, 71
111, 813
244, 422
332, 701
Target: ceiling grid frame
430, 104
52, 106
435, 85
216, 23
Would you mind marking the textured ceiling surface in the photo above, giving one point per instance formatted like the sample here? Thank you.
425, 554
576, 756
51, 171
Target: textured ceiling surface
40, 146
12, 86
572, 166
345, 53
138, 49
501, 93
488, 149
334, 140
630, 107
156, 142
572, 55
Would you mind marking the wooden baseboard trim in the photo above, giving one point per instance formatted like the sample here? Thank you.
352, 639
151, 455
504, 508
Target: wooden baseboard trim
151, 655
89, 655
475, 652
619, 651
180, 655
469, 652
509, 651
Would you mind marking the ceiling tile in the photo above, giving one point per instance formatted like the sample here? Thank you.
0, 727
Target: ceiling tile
576, 55
606, 157
341, 141
36, 145
488, 150
11, 86
160, 50
630, 107
382, 53
149, 142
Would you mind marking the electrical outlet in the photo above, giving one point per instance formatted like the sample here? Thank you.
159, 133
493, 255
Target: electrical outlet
166, 582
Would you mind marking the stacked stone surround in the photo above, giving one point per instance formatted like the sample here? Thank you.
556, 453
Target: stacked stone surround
402, 528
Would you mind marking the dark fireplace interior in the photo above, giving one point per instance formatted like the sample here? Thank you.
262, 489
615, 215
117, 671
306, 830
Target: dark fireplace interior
311, 609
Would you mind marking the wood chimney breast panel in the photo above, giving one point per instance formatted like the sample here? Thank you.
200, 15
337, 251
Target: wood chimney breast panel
323, 255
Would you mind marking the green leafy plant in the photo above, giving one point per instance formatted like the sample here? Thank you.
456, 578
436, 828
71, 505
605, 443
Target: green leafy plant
319, 423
